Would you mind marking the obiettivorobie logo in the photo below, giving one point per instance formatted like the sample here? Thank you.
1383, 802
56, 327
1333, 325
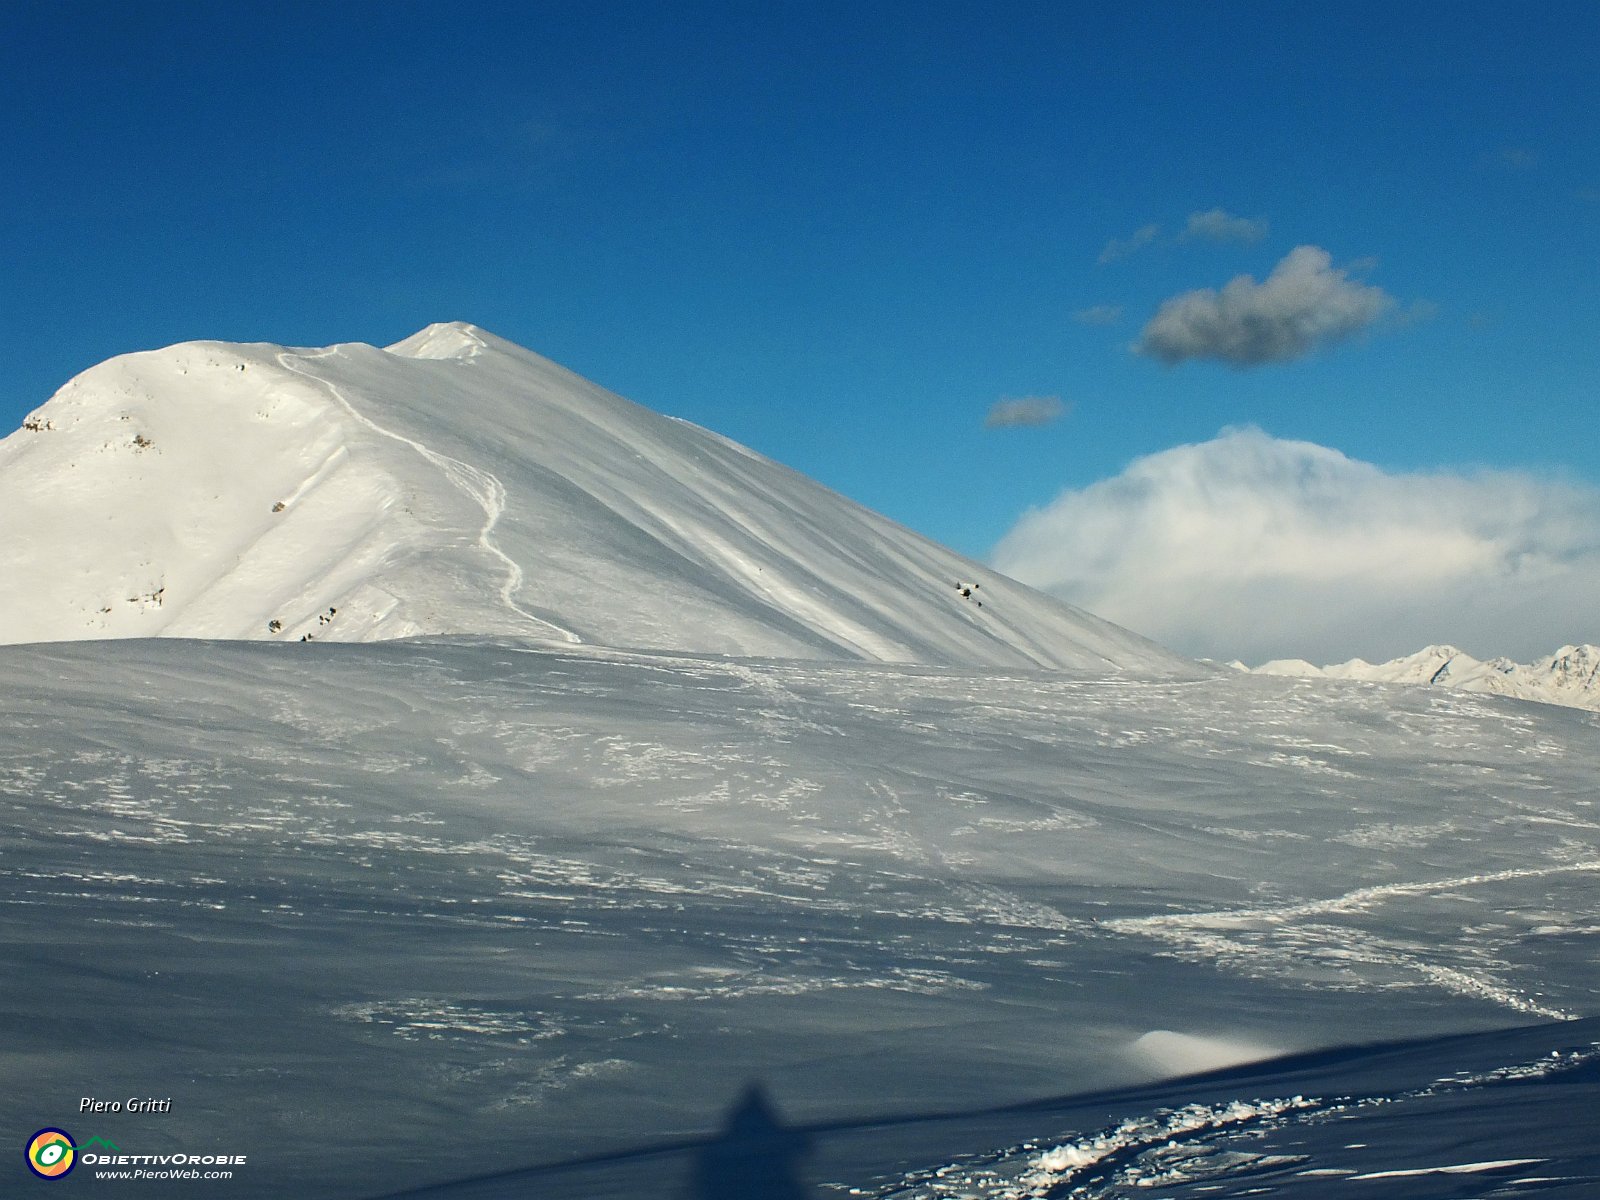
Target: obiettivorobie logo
52, 1154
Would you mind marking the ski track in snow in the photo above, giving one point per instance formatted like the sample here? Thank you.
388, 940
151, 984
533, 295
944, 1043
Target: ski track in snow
1206, 932
1352, 901
482, 487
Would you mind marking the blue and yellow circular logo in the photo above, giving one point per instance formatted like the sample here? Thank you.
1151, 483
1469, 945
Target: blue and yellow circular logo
51, 1153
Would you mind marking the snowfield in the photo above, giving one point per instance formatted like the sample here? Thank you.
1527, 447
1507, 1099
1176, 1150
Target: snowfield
615, 813
412, 911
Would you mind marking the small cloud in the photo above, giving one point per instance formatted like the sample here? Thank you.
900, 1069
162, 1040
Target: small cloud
1021, 411
1122, 247
1305, 303
1219, 225
1100, 314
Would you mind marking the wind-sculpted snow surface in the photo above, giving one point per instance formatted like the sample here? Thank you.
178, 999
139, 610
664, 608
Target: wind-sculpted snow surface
453, 911
457, 484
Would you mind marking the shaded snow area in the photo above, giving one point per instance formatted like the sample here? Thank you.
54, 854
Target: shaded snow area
1570, 676
505, 917
455, 483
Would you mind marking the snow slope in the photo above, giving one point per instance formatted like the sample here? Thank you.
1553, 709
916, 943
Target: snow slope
457, 484
390, 914
1570, 676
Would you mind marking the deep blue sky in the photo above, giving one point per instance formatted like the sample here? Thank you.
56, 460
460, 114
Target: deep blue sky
836, 232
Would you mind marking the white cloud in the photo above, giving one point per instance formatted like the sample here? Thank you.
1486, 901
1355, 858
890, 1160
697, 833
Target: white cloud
1122, 247
1253, 547
1024, 410
1100, 314
1219, 225
1305, 303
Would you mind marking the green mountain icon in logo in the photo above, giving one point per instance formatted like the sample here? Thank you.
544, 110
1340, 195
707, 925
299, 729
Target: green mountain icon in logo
94, 1141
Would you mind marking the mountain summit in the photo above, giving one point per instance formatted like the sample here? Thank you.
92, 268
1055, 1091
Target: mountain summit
455, 483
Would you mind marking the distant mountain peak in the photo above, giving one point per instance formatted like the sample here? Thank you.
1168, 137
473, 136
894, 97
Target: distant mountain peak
1571, 676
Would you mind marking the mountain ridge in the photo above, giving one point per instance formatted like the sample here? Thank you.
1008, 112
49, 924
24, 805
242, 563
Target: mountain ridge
1570, 676
456, 483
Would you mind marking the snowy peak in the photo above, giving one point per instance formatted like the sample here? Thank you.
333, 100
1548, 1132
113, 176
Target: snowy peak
455, 483
1576, 667
447, 339
1571, 676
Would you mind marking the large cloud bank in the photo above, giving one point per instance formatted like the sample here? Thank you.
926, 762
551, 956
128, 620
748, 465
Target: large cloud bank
1252, 547
1305, 303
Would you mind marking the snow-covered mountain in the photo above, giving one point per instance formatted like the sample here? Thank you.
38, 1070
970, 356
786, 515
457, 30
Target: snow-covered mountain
455, 483
1570, 676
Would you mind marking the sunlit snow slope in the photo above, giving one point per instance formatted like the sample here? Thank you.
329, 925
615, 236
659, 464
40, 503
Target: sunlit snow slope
457, 484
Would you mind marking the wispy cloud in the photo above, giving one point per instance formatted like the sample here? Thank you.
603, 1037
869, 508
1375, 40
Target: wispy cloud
1219, 225
513, 154
1418, 312
1213, 225
1012, 412
1134, 242
1514, 158
1305, 303
1100, 314
1255, 547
